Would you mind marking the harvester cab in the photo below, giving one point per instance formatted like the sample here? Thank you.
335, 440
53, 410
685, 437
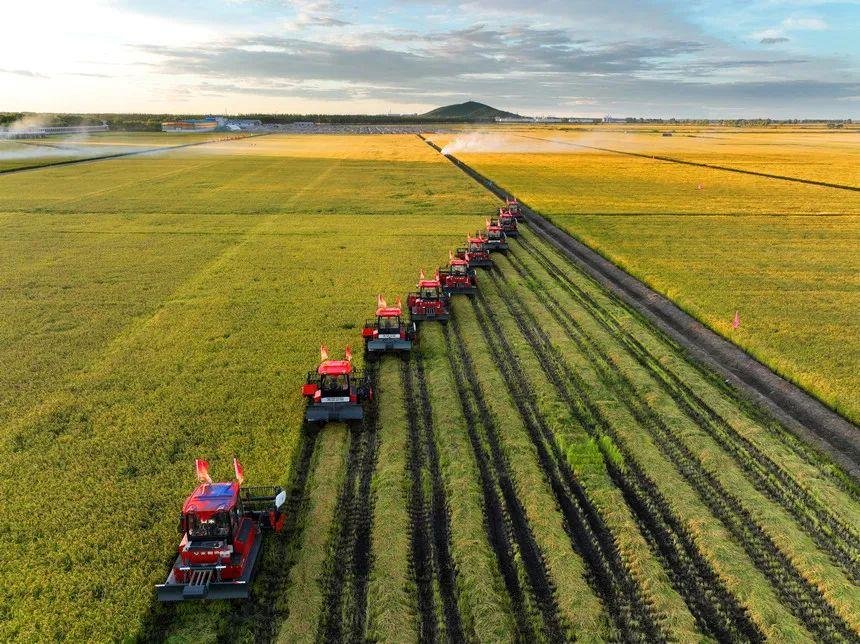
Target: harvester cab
495, 238
335, 392
475, 252
389, 332
513, 206
221, 526
430, 302
458, 278
507, 222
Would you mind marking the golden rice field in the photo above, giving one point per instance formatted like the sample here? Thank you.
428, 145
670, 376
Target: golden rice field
715, 241
545, 467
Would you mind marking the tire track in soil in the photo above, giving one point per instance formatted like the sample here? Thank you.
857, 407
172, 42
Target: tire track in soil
264, 613
446, 571
495, 520
789, 440
590, 537
540, 582
716, 611
827, 530
345, 596
363, 552
421, 559
798, 595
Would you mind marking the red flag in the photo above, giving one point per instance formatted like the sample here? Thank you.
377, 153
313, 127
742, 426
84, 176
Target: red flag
348, 354
736, 322
237, 468
323, 352
201, 468
380, 302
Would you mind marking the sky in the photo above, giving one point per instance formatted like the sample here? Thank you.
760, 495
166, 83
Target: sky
648, 58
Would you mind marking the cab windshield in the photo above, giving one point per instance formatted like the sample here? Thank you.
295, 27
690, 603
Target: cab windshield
474, 247
428, 293
334, 384
388, 323
217, 526
458, 269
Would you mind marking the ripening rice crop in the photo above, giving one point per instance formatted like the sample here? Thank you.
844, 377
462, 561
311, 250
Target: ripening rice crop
546, 466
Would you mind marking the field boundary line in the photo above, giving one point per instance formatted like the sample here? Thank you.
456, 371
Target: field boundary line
796, 409
119, 155
698, 164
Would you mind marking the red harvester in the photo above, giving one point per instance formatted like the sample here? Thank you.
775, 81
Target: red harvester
389, 332
507, 222
515, 208
495, 238
335, 392
429, 302
475, 253
458, 278
221, 526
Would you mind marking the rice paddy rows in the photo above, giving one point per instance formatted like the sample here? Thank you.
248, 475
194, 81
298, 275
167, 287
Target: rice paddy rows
545, 467
504, 332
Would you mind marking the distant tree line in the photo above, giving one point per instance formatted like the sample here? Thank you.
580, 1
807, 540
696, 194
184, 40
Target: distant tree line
152, 122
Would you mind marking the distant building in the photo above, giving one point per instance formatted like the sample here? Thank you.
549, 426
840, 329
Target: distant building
529, 119
613, 119
211, 124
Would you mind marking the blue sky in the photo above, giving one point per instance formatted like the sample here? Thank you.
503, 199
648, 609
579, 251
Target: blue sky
700, 58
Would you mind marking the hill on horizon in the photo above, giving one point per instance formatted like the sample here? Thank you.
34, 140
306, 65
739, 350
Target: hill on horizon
467, 110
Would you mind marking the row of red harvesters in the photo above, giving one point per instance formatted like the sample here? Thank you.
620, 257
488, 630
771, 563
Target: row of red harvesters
221, 523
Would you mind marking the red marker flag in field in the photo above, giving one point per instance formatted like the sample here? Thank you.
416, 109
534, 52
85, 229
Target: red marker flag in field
323, 352
348, 354
201, 468
380, 302
736, 322
237, 468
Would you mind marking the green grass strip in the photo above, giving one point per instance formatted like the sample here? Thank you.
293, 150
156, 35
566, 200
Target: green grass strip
390, 600
305, 596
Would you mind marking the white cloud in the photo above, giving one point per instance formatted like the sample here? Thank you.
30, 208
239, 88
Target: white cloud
795, 23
